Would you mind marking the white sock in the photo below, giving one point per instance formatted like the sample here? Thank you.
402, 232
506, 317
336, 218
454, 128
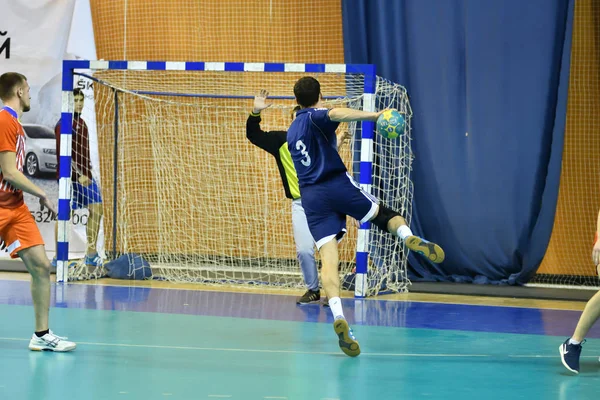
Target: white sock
335, 303
575, 342
403, 232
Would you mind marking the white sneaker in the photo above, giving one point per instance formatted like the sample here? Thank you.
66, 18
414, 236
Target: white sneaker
50, 342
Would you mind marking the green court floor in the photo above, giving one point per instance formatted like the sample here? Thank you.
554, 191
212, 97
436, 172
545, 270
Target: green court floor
144, 355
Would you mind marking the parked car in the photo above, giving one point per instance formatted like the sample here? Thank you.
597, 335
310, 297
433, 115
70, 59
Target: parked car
40, 150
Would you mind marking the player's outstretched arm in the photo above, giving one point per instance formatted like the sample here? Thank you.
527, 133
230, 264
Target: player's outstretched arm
349, 115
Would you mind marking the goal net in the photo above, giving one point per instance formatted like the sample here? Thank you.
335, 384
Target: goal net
568, 259
183, 188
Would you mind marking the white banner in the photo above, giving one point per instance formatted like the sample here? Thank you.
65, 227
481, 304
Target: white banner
38, 35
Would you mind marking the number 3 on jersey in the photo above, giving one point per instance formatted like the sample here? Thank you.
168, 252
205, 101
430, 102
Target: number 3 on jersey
302, 147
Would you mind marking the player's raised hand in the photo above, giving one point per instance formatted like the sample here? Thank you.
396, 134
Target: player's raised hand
343, 137
596, 253
260, 101
384, 110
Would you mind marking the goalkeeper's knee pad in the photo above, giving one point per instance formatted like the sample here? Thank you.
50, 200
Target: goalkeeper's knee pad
383, 217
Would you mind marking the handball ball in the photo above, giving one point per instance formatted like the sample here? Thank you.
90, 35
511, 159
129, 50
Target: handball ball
390, 124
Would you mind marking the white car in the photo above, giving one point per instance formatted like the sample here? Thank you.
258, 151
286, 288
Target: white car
40, 150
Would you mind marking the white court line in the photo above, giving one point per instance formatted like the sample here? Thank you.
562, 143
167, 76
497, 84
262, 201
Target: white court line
542, 356
335, 353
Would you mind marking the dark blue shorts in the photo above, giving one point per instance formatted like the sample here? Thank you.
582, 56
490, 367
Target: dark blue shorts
327, 204
83, 196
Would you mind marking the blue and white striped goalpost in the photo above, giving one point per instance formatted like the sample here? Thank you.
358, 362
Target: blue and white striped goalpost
70, 67
64, 173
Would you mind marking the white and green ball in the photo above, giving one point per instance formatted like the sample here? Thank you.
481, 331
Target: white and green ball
391, 124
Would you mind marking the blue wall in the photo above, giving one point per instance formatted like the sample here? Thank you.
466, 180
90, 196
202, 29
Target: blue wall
488, 86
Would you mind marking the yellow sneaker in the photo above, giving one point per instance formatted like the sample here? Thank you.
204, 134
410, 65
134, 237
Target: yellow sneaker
427, 249
347, 341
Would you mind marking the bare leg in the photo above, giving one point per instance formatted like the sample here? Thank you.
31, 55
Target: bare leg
93, 226
394, 224
590, 315
331, 284
38, 266
329, 268
397, 226
570, 350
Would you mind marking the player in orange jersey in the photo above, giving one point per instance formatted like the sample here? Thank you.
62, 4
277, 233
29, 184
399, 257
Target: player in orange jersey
17, 226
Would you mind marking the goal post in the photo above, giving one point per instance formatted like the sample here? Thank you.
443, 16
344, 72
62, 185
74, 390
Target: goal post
365, 181
145, 107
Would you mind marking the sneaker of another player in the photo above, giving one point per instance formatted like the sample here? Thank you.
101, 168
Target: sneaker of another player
310, 297
326, 302
346, 338
94, 261
569, 355
50, 342
427, 249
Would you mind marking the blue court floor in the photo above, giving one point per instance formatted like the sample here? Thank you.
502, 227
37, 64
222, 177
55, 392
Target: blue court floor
139, 343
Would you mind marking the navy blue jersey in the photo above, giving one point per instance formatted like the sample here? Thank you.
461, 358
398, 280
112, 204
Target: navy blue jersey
313, 146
